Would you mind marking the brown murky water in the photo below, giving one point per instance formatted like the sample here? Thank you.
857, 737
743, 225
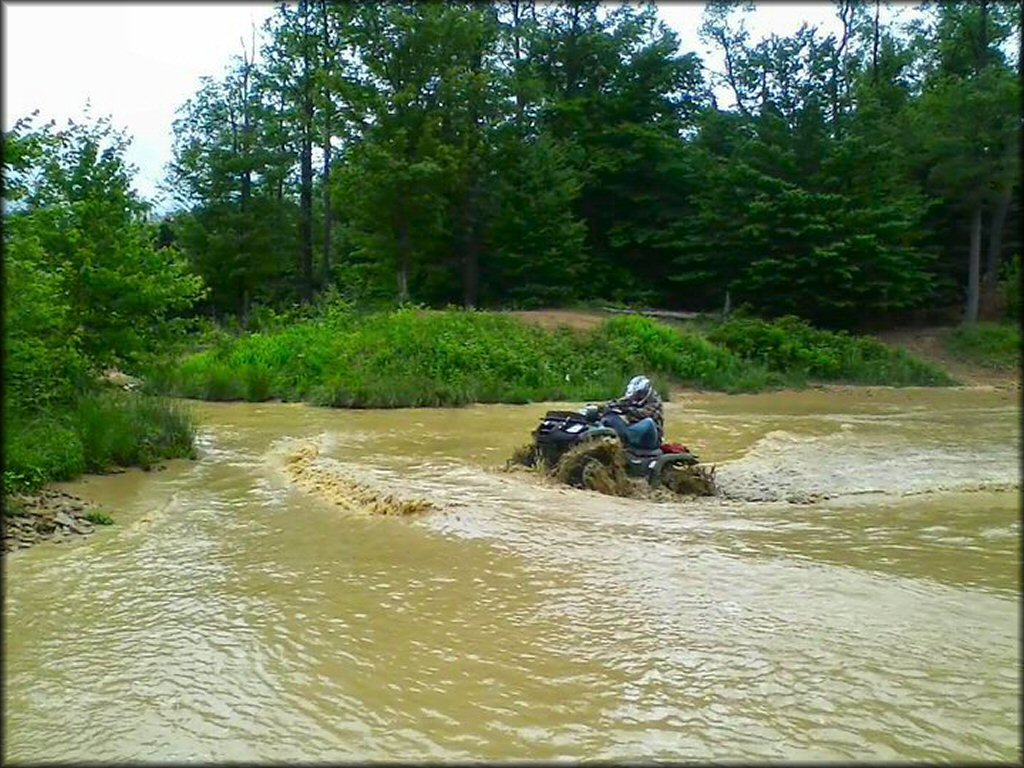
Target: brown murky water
855, 594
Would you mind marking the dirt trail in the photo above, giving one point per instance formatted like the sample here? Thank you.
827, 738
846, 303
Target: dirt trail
578, 320
930, 343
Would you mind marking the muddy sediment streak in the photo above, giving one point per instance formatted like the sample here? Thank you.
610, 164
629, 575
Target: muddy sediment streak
314, 474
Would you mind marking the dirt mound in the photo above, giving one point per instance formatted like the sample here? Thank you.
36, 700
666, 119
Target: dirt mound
313, 474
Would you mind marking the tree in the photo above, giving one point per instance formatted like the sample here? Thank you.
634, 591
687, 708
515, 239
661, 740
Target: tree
968, 127
91, 228
228, 170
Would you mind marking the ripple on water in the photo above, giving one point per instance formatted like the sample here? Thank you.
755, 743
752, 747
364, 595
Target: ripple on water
247, 620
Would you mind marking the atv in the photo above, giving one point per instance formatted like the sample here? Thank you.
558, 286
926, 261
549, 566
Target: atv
577, 448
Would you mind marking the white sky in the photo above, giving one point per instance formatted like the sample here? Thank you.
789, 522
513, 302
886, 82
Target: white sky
139, 62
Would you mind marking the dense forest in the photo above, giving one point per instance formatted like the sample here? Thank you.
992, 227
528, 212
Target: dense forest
521, 153
515, 155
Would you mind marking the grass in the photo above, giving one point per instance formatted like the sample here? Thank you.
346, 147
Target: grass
789, 345
99, 432
118, 429
415, 357
992, 345
98, 517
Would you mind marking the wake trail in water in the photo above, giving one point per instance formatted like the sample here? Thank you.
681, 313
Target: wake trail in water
783, 466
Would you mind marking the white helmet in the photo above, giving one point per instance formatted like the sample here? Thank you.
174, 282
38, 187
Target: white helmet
638, 389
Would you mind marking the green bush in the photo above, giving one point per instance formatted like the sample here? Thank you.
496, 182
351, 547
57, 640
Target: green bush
993, 345
99, 432
415, 357
39, 449
791, 346
121, 429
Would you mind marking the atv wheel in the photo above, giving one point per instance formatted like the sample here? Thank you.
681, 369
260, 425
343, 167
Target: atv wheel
569, 469
690, 480
596, 476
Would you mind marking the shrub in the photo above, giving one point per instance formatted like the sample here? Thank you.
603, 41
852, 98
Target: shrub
791, 346
121, 429
416, 357
38, 449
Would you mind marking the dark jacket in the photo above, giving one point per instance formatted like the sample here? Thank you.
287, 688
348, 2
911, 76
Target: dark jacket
633, 413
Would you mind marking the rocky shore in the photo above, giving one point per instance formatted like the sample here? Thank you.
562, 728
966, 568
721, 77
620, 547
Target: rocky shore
47, 515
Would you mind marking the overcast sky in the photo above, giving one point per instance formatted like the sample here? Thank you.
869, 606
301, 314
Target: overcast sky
139, 62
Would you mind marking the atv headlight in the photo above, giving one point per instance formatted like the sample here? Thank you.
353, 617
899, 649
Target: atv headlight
572, 429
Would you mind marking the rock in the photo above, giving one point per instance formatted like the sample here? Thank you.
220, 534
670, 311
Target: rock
45, 525
82, 527
120, 379
62, 518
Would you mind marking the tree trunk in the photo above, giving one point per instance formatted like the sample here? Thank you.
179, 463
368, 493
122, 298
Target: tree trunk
471, 247
306, 163
403, 261
247, 64
517, 41
874, 46
326, 276
974, 266
995, 235
306, 214
246, 304
328, 108
989, 299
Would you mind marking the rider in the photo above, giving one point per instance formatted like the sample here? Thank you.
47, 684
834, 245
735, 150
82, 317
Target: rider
636, 416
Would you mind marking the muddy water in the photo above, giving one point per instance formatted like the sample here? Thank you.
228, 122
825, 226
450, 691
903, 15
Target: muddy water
853, 594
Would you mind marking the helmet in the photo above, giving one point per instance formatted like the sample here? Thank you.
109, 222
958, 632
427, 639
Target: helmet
638, 389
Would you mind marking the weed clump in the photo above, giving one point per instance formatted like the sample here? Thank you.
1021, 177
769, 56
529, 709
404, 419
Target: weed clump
97, 517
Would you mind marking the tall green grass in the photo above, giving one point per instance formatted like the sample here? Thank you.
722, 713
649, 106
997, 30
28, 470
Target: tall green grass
414, 357
98, 432
993, 345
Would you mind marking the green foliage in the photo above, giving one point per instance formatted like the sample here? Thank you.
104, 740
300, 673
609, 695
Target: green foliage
81, 223
40, 448
85, 286
43, 365
993, 345
413, 357
96, 433
789, 344
98, 517
122, 430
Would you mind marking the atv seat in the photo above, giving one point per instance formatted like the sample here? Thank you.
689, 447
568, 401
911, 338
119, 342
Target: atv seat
643, 453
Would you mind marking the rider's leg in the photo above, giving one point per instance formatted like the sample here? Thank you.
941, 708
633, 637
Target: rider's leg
617, 423
644, 434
